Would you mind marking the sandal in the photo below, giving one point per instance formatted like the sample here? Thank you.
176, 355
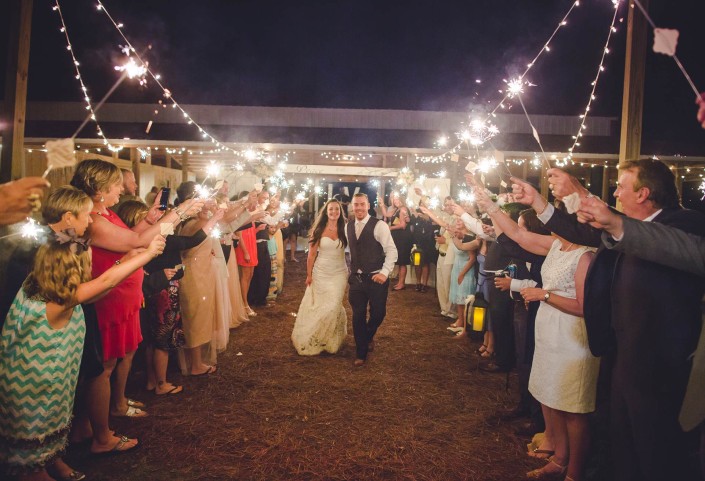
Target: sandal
544, 475
398, 288
132, 412
541, 453
136, 404
118, 448
210, 370
173, 390
487, 354
455, 329
482, 348
423, 289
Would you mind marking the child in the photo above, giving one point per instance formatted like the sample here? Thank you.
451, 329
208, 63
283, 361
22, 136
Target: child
40, 349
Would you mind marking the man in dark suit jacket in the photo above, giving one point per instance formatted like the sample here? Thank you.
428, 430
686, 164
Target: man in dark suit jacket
651, 314
674, 248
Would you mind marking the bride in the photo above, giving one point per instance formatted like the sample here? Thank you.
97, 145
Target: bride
321, 323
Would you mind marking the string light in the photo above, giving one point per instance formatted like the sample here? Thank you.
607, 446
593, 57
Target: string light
79, 77
600, 69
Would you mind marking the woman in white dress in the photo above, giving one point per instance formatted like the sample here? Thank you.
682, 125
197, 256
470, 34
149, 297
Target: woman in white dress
321, 323
564, 372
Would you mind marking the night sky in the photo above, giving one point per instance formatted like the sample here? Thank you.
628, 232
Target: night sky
416, 55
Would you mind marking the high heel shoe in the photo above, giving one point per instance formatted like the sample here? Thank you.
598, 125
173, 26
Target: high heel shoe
487, 354
544, 475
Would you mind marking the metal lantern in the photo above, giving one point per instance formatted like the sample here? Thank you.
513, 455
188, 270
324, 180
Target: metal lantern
476, 310
416, 256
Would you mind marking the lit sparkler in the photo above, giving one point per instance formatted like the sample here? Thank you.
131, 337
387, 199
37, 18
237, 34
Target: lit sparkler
31, 229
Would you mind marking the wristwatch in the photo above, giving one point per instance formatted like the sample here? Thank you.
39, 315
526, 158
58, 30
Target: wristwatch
546, 296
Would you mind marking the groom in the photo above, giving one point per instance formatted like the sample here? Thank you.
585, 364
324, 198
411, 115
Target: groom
372, 258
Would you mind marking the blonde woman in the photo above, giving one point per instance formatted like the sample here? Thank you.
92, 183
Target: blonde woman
399, 220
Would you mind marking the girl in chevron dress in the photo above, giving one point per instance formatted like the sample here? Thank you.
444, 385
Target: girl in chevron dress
40, 352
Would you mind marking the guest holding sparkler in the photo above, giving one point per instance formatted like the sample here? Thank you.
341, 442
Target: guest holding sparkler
20, 198
118, 312
399, 220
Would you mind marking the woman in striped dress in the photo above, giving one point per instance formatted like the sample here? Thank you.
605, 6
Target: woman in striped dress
40, 353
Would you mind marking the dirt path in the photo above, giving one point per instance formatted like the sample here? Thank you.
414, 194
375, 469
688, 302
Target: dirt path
416, 411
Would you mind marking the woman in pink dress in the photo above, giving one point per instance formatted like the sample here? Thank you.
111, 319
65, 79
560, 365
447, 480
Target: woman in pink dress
118, 312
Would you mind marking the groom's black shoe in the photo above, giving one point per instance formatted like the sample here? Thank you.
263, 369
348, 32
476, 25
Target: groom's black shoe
359, 362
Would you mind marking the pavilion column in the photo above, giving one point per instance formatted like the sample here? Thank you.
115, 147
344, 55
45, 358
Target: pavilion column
605, 182
135, 159
184, 166
15, 108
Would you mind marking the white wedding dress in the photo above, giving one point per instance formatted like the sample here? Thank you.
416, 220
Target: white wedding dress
321, 323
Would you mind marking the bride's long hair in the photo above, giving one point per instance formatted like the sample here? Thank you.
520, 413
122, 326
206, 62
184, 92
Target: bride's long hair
322, 220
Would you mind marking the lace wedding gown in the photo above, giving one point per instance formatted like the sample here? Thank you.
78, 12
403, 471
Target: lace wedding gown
321, 323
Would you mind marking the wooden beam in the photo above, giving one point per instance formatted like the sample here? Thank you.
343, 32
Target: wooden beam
135, 158
184, 166
633, 99
605, 183
15, 108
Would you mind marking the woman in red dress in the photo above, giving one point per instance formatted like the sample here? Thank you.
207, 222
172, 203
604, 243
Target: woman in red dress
118, 312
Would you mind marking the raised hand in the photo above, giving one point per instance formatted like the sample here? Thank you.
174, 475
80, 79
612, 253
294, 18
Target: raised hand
563, 184
701, 110
598, 214
524, 192
156, 247
192, 207
483, 200
457, 210
20, 198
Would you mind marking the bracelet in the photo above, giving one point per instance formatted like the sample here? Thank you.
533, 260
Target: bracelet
543, 210
117, 262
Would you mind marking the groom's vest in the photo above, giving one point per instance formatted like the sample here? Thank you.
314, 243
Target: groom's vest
366, 254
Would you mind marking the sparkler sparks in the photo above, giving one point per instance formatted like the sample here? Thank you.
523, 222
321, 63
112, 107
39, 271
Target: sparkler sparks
515, 87
31, 229
478, 132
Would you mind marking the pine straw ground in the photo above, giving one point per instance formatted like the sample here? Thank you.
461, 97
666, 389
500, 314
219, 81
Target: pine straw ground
417, 410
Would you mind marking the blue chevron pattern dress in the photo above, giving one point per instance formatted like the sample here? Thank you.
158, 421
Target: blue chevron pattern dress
38, 374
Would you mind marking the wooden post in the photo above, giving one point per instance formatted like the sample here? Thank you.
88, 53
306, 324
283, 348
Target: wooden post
544, 180
184, 166
20, 26
633, 99
605, 183
135, 158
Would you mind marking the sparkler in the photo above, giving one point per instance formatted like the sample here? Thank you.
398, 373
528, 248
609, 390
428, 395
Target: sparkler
216, 233
31, 229
702, 189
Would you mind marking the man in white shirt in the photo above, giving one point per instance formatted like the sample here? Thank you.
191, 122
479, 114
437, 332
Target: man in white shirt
372, 258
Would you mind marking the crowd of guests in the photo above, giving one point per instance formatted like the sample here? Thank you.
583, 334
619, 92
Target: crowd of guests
599, 311
108, 273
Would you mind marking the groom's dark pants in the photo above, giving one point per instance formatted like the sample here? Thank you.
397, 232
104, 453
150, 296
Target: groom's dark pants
364, 291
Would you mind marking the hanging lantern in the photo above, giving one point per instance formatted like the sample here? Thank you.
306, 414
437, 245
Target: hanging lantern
416, 256
476, 310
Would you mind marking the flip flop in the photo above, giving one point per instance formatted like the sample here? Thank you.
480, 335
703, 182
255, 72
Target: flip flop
210, 370
136, 404
119, 447
541, 453
173, 390
132, 412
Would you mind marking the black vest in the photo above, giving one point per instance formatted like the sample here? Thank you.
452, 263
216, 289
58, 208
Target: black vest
366, 254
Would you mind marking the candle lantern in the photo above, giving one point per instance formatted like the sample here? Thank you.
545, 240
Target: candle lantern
476, 310
417, 256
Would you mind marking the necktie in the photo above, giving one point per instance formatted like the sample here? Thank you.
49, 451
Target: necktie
358, 229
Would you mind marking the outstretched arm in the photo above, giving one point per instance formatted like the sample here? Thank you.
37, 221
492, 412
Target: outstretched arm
90, 291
